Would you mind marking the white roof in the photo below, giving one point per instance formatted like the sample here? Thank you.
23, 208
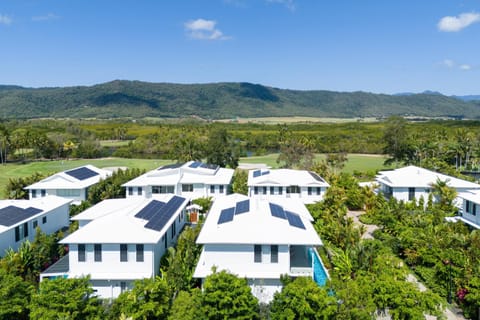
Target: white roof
413, 176
186, 173
62, 180
257, 226
114, 221
285, 177
471, 195
45, 204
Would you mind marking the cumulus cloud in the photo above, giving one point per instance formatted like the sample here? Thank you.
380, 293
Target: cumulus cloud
457, 23
6, 20
290, 4
450, 64
465, 67
202, 29
49, 16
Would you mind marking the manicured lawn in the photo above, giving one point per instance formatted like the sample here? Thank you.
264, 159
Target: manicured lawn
355, 162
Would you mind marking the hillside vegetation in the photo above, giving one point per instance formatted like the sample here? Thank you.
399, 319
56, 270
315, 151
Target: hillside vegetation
218, 101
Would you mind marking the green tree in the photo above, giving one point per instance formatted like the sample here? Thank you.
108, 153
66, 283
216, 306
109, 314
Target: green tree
187, 306
149, 299
222, 149
444, 195
225, 296
15, 188
240, 180
187, 147
396, 139
303, 299
14, 296
65, 299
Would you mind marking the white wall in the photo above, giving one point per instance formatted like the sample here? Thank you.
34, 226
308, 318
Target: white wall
302, 196
110, 289
470, 216
264, 289
54, 192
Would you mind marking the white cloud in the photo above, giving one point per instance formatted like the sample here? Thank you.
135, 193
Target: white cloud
465, 67
202, 29
50, 16
290, 4
6, 20
448, 63
455, 24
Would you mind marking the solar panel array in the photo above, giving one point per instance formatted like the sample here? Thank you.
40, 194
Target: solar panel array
264, 173
209, 166
195, 164
150, 209
171, 166
226, 215
277, 211
294, 220
257, 173
242, 207
316, 176
11, 215
82, 173
160, 219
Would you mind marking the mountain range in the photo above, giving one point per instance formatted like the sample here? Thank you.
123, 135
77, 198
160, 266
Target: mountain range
121, 98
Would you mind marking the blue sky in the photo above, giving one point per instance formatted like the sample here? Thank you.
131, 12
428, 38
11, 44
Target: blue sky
381, 46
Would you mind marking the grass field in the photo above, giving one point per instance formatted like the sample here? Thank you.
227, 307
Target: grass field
355, 162
276, 120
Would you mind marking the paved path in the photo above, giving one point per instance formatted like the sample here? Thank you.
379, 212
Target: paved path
450, 313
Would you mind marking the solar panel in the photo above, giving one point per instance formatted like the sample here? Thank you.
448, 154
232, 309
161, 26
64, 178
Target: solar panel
11, 215
195, 164
242, 207
316, 176
226, 215
82, 173
257, 173
277, 211
171, 166
161, 218
294, 220
150, 209
264, 173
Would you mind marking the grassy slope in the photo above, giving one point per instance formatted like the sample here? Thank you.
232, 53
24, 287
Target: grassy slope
355, 162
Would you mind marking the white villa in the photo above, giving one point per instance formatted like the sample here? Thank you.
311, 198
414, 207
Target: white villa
306, 186
413, 182
469, 212
70, 184
120, 241
20, 218
260, 240
191, 179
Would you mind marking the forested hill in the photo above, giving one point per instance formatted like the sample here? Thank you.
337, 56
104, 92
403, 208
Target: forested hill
217, 100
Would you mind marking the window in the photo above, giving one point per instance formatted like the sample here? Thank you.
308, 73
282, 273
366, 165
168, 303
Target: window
44, 219
255, 190
139, 191
319, 191
165, 240
139, 252
187, 187
280, 190
258, 253
17, 233
35, 224
221, 189
471, 208
162, 189
25, 229
411, 194
123, 286
81, 253
130, 191
212, 189
43, 192
68, 192
293, 189
97, 248
274, 253
272, 190
310, 191
173, 229
123, 252
34, 193
21, 232
264, 190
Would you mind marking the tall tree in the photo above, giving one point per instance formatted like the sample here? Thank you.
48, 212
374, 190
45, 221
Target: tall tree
396, 139
14, 296
222, 149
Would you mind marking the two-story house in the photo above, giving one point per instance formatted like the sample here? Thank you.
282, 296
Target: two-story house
20, 218
71, 184
304, 185
260, 240
120, 241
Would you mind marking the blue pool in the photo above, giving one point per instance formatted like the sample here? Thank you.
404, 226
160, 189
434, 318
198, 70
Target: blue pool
320, 274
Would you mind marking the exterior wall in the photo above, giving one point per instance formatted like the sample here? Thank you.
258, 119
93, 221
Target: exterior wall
239, 259
111, 289
55, 220
135, 192
472, 216
56, 192
302, 196
264, 289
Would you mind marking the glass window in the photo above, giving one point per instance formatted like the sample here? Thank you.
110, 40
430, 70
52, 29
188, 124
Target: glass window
280, 190
139, 252
81, 253
411, 194
17, 233
44, 219
68, 192
43, 192
34, 193
258, 253
272, 190
35, 224
255, 190
274, 253
264, 190
187, 187
97, 248
319, 191
221, 189
123, 252
162, 189
123, 286
25, 229
139, 191
212, 189
130, 191
310, 191
293, 189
